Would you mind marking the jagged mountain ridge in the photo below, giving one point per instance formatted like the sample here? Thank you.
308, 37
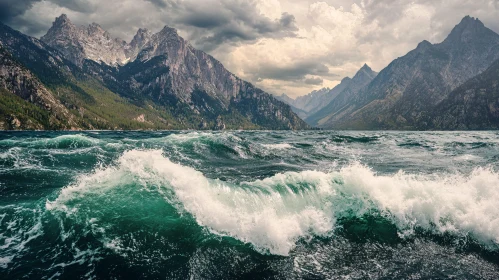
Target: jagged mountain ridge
187, 71
193, 88
406, 90
78, 43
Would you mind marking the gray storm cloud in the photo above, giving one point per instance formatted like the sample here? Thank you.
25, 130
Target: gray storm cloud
214, 23
12, 8
294, 46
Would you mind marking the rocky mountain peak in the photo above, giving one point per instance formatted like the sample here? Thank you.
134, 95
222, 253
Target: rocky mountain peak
346, 79
366, 67
63, 35
340, 95
285, 98
61, 25
141, 38
61, 20
364, 73
169, 31
94, 43
469, 21
467, 30
142, 32
95, 29
95, 25
166, 41
168, 34
424, 44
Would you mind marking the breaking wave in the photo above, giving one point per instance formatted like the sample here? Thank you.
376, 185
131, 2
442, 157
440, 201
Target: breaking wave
273, 214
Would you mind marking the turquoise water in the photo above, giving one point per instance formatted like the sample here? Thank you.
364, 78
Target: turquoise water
249, 205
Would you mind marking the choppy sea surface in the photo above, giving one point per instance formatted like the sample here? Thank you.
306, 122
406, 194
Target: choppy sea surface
249, 205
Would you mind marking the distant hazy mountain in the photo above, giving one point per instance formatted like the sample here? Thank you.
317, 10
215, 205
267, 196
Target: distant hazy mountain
285, 98
407, 91
341, 96
312, 101
288, 100
155, 81
307, 106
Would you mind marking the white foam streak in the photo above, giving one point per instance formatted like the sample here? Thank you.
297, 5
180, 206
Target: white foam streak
18, 233
281, 146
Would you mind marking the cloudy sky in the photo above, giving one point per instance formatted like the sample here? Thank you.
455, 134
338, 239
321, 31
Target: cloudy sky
283, 46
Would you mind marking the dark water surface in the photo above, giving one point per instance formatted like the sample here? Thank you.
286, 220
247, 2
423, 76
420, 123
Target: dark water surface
249, 205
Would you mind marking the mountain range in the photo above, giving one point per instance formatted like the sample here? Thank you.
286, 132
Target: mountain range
78, 77
450, 85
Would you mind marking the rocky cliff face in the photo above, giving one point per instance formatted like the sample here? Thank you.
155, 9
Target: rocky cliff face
138, 42
33, 106
400, 96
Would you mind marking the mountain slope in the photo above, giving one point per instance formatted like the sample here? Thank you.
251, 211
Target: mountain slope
157, 81
403, 93
474, 105
341, 97
25, 103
